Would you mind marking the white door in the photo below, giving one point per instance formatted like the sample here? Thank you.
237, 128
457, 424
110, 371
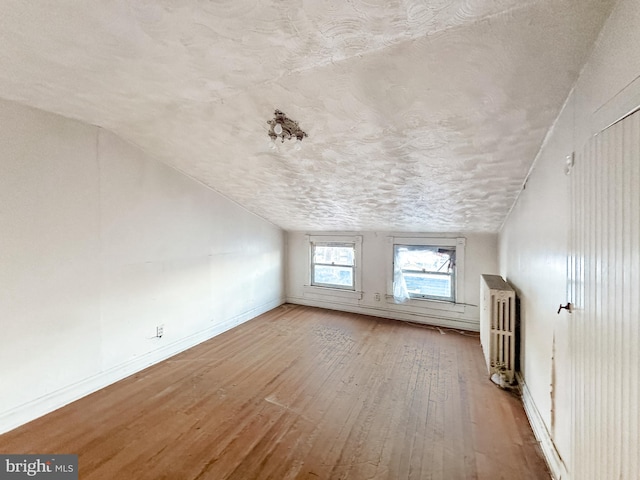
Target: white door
604, 328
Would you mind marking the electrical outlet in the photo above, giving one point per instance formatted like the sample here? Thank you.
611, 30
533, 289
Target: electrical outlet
376, 296
159, 331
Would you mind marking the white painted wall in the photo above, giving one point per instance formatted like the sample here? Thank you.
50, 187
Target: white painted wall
533, 245
99, 244
480, 257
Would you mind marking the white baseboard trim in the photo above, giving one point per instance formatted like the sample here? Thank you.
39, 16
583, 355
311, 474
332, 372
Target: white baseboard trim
551, 455
46, 404
427, 319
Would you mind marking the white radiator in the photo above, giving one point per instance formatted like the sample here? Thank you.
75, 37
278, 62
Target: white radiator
498, 328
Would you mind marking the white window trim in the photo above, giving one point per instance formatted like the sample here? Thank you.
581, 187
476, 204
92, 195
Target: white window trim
356, 293
459, 244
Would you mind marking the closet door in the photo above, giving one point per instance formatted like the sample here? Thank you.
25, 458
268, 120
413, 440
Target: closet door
604, 286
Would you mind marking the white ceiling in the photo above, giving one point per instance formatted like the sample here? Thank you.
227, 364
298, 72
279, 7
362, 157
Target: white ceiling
421, 115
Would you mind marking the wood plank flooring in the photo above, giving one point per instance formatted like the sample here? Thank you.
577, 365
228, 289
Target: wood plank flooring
300, 393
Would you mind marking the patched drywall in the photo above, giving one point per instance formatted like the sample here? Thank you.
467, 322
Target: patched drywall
422, 116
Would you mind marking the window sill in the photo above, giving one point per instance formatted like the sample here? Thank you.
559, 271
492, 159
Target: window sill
331, 292
428, 304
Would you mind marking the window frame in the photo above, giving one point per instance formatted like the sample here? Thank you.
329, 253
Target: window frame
315, 264
457, 243
356, 241
452, 275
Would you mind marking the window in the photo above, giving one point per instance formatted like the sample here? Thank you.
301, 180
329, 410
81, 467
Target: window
427, 271
333, 264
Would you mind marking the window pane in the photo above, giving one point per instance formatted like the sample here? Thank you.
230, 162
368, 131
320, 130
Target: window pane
331, 275
428, 284
428, 259
427, 270
341, 255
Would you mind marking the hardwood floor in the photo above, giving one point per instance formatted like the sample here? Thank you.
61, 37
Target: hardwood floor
304, 393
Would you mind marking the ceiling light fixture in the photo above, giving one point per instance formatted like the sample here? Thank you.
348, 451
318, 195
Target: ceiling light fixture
285, 128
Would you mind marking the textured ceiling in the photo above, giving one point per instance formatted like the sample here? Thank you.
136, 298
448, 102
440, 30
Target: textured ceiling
421, 115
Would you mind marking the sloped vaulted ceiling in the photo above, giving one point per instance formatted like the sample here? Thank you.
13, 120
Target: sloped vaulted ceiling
421, 115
